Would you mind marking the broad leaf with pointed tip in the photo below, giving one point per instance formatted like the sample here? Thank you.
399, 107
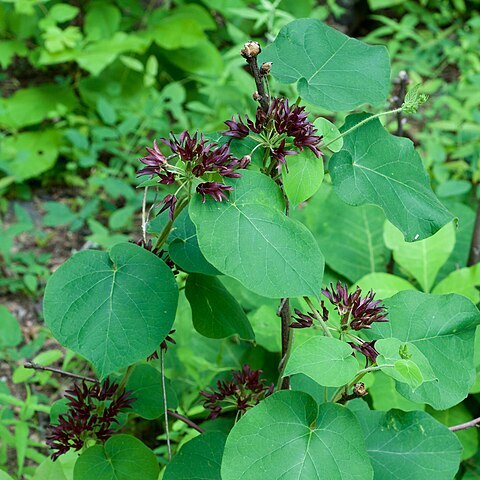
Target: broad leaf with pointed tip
409, 445
198, 459
122, 457
333, 71
113, 308
376, 167
288, 436
327, 361
249, 238
215, 312
442, 327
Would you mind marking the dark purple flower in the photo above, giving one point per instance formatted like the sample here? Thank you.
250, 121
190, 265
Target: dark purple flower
154, 161
214, 189
92, 409
302, 320
280, 153
163, 345
367, 349
186, 146
236, 128
169, 203
245, 390
356, 312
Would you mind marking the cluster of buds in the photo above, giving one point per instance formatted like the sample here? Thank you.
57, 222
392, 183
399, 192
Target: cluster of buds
367, 349
91, 412
246, 389
355, 312
199, 157
281, 127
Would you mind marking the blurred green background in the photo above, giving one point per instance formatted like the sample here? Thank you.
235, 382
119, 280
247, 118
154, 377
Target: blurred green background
86, 85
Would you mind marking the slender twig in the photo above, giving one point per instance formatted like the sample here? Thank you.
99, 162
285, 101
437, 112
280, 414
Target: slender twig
64, 373
165, 406
144, 215
36, 366
463, 426
250, 52
185, 420
474, 255
359, 124
287, 341
397, 101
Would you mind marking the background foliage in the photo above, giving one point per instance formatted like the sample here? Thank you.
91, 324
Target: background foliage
85, 85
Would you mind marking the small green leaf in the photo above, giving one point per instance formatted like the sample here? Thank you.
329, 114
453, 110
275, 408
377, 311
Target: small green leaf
122, 457
145, 383
329, 132
327, 361
304, 177
49, 470
10, 333
215, 312
422, 259
385, 285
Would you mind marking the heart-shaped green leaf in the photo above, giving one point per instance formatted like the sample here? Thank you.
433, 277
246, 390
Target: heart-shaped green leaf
288, 436
113, 308
250, 238
409, 445
123, 457
376, 167
333, 71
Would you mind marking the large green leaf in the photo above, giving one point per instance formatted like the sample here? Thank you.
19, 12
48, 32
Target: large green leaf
215, 312
455, 416
199, 459
442, 327
304, 177
409, 445
250, 238
351, 237
333, 71
183, 246
123, 457
422, 259
327, 361
145, 385
28, 154
376, 167
32, 105
114, 308
288, 436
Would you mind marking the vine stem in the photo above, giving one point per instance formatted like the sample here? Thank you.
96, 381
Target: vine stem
64, 373
168, 227
363, 122
144, 215
165, 406
325, 329
463, 426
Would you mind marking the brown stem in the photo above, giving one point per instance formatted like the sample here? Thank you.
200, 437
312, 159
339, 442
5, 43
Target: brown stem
186, 420
285, 316
250, 52
463, 426
474, 256
36, 366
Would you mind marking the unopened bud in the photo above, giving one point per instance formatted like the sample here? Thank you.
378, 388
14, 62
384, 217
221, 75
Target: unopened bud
256, 96
245, 161
265, 68
250, 49
359, 389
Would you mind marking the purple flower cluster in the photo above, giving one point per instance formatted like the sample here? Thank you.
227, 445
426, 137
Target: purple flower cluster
246, 389
357, 312
200, 157
91, 412
367, 349
288, 120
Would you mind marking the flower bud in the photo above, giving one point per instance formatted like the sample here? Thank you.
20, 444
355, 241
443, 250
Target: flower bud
359, 389
265, 68
256, 96
250, 49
